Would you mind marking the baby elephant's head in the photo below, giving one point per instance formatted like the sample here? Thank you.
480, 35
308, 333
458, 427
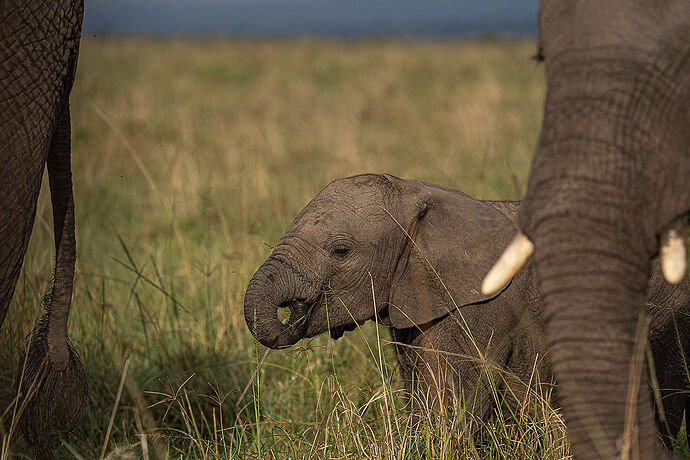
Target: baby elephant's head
374, 245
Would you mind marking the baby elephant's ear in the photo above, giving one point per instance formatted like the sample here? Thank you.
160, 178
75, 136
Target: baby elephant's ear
451, 245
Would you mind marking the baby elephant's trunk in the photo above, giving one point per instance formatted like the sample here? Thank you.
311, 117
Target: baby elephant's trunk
276, 290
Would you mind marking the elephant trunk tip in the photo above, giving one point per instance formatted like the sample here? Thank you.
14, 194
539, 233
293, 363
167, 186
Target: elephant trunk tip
276, 324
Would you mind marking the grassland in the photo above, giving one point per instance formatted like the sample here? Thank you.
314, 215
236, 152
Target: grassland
189, 159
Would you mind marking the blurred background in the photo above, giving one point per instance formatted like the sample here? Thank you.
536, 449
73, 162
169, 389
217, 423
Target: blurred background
323, 18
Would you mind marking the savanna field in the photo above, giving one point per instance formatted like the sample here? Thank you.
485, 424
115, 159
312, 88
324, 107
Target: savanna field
189, 160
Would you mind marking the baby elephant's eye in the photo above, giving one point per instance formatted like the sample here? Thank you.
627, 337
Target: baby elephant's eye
340, 250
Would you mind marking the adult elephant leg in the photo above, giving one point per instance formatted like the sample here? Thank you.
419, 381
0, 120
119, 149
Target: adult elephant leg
52, 375
669, 332
20, 182
38, 50
593, 281
16, 222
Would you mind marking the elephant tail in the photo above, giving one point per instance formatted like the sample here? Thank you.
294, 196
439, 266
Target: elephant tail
51, 386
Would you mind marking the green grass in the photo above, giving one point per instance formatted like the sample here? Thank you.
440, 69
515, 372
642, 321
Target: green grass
190, 158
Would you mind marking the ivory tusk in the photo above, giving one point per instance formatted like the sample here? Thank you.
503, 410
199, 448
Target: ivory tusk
513, 258
673, 257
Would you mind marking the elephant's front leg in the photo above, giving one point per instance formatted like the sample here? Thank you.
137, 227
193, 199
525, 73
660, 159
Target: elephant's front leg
443, 373
424, 371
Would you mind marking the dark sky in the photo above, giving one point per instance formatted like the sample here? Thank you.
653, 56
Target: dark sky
344, 18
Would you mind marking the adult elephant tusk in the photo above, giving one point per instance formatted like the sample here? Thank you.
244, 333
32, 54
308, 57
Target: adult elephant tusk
673, 256
513, 258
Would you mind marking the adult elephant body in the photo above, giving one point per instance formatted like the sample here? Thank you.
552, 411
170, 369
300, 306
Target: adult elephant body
610, 181
39, 45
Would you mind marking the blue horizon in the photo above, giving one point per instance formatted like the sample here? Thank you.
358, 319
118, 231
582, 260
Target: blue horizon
319, 18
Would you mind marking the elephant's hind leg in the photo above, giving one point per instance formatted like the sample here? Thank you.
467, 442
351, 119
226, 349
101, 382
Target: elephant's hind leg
52, 377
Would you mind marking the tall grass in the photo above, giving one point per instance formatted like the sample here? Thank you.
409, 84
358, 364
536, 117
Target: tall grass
189, 160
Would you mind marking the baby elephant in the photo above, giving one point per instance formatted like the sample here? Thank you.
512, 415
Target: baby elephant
412, 255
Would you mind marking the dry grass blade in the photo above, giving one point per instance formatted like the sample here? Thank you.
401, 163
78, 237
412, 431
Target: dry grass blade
629, 450
114, 411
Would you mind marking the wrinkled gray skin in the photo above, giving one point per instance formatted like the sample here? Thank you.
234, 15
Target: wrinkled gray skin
344, 234
610, 175
39, 44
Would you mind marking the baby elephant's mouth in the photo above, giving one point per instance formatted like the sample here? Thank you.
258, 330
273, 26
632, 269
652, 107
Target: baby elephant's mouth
337, 332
